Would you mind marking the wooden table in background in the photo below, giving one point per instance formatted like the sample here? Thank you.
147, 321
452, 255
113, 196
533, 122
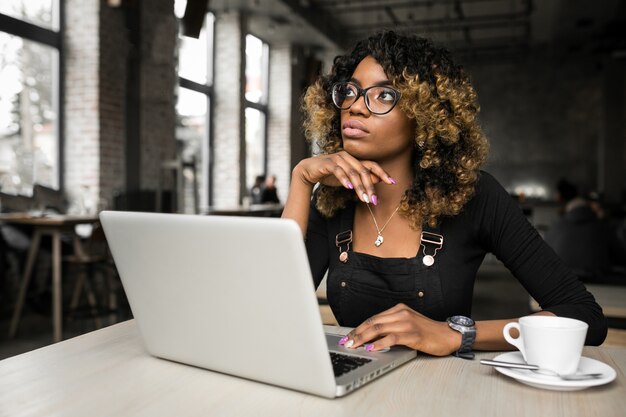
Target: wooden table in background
108, 373
254, 210
54, 226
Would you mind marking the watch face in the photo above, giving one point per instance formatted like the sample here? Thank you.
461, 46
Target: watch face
462, 320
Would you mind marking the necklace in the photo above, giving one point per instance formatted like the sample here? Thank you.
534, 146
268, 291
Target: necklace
379, 239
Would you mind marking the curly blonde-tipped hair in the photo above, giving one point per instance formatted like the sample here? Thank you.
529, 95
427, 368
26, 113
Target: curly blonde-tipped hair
450, 146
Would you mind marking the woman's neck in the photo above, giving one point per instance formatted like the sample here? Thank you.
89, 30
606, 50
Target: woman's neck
390, 195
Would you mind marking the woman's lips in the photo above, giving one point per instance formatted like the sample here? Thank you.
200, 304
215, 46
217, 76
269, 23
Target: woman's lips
354, 129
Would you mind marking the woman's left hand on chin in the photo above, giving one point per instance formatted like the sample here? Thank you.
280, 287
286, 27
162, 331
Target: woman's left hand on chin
401, 325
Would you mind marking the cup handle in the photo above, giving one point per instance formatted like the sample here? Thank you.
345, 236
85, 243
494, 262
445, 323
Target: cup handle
517, 342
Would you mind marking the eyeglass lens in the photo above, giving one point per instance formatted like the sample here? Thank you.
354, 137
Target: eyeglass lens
379, 100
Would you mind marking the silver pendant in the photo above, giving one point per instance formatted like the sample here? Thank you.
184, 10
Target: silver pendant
379, 241
428, 260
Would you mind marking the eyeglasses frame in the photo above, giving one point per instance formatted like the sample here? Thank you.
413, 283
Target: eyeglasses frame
362, 92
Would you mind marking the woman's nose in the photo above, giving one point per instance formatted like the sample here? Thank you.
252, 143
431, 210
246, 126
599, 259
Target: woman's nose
359, 107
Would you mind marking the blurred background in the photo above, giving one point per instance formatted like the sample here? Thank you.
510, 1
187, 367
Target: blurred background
181, 106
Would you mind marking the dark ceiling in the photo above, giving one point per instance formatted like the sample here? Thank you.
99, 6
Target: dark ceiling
472, 27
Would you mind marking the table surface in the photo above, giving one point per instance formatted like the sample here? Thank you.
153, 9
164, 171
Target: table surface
252, 210
48, 219
108, 373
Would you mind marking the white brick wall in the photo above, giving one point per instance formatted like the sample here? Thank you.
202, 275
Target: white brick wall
82, 109
279, 128
96, 58
227, 117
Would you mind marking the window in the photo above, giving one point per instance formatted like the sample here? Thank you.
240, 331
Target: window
193, 108
44, 13
256, 95
30, 126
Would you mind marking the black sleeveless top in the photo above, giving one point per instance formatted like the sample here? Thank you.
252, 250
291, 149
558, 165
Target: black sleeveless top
490, 222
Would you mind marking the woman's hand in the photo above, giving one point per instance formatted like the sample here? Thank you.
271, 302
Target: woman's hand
343, 170
401, 325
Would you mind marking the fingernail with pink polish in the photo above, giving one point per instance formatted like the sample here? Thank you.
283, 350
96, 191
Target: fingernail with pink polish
350, 186
391, 180
343, 340
374, 199
369, 347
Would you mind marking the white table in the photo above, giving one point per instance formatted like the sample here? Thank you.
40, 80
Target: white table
108, 373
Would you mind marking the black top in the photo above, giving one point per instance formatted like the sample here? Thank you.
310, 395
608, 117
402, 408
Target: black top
490, 222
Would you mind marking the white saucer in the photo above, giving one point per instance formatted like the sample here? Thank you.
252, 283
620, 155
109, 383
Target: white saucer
586, 365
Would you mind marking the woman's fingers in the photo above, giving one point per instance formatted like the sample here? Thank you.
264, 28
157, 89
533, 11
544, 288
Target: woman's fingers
362, 176
397, 321
342, 169
388, 341
401, 325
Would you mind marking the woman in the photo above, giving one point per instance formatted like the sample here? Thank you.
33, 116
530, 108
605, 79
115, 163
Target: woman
403, 217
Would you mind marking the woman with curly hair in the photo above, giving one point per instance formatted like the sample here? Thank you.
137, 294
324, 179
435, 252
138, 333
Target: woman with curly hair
402, 216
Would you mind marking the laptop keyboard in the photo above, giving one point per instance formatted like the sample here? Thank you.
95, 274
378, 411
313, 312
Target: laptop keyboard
346, 363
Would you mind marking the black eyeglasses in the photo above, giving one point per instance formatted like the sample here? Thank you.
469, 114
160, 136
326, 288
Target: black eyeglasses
378, 99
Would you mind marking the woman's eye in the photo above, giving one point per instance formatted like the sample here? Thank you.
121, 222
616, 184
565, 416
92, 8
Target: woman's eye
386, 96
350, 93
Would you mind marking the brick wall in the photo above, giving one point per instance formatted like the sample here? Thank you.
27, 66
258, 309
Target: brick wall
81, 100
279, 127
97, 49
114, 51
158, 83
227, 114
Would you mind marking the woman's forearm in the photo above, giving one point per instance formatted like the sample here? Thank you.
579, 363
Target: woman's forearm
489, 334
298, 201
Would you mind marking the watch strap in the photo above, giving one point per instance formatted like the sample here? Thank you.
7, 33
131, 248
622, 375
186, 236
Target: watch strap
467, 341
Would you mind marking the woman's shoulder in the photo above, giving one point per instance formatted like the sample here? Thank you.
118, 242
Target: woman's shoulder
487, 182
488, 193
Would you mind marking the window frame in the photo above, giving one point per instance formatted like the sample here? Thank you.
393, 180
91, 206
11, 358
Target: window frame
262, 106
209, 91
54, 39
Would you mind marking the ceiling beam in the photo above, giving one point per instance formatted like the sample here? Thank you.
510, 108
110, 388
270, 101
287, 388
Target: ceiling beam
365, 5
444, 24
319, 19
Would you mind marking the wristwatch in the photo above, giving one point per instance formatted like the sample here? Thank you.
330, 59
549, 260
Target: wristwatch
465, 326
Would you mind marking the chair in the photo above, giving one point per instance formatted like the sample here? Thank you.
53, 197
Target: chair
179, 167
92, 258
16, 203
46, 198
14, 243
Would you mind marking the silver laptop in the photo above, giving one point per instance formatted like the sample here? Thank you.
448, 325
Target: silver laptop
235, 295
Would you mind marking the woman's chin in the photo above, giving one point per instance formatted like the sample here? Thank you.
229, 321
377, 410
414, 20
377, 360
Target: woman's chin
359, 149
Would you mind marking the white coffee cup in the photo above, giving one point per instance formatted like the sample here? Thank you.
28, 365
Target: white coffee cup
552, 343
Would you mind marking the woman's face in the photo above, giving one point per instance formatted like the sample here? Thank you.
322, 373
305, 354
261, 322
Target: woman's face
370, 136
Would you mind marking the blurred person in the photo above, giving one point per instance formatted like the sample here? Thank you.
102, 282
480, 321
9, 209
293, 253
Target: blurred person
583, 238
257, 189
269, 193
